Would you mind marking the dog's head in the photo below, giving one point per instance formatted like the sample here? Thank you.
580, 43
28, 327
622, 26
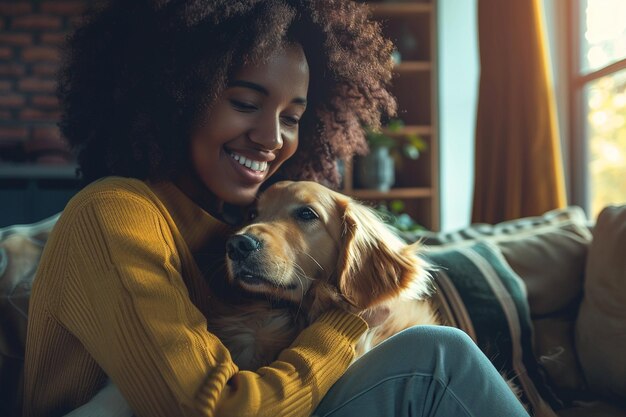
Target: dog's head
312, 246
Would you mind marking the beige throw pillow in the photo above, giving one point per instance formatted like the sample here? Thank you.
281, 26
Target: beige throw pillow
551, 261
601, 324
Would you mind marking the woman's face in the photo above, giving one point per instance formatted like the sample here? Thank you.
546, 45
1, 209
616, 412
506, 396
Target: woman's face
252, 128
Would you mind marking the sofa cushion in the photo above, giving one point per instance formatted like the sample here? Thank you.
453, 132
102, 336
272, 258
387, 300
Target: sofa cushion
20, 250
601, 323
479, 293
551, 261
555, 350
548, 252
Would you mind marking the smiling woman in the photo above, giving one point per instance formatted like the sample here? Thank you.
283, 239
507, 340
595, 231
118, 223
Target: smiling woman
181, 112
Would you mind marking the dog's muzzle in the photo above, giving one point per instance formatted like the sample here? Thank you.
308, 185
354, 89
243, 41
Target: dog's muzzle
239, 247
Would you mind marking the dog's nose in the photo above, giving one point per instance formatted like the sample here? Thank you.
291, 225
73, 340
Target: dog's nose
239, 247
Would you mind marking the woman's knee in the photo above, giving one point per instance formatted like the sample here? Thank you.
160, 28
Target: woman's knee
434, 339
439, 350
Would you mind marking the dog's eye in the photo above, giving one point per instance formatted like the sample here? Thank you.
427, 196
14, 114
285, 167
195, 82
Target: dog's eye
306, 214
252, 214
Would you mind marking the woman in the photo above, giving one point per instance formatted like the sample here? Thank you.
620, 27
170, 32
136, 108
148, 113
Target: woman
180, 113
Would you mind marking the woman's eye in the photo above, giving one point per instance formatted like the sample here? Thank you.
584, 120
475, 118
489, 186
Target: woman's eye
306, 214
290, 121
243, 106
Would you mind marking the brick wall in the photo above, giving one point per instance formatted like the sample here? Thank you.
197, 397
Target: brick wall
31, 33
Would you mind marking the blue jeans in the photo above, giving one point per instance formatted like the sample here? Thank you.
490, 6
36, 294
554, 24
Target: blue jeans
422, 371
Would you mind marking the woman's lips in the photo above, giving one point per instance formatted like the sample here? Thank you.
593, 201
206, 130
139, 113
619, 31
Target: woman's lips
251, 170
259, 166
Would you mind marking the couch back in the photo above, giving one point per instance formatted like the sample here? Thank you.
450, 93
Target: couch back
20, 249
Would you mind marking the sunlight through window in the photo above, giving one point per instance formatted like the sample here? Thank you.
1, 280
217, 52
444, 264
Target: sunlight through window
606, 130
605, 33
603, 43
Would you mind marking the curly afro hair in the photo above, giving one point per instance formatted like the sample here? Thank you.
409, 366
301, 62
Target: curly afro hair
137, 76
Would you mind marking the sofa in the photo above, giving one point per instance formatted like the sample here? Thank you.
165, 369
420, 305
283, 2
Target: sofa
544, 297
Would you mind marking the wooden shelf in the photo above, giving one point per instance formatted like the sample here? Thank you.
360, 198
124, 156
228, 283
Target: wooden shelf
393, 194
415, 86
412, 66
421, 130
399, 9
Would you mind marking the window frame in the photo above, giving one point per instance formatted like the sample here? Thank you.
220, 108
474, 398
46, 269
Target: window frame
577, 142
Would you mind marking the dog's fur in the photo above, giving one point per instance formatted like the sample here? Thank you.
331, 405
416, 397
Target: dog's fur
311, 249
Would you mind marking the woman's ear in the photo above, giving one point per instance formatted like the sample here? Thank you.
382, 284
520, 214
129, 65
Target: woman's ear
374, 264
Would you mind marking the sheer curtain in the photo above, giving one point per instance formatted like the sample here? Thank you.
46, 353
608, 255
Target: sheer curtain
518, 167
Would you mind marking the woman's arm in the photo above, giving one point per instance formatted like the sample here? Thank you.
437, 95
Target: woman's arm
126, 301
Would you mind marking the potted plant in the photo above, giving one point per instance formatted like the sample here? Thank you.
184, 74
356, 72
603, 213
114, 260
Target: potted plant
388, 147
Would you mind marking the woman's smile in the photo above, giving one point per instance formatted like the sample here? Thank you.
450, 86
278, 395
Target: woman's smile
257, 166
251, 170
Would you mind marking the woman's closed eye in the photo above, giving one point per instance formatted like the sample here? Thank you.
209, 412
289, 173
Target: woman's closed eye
243, 106
247, 107
290, 120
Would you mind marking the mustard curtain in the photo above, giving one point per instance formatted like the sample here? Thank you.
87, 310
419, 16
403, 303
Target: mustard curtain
518, 167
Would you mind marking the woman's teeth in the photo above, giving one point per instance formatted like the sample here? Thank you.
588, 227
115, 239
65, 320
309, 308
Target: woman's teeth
260, 166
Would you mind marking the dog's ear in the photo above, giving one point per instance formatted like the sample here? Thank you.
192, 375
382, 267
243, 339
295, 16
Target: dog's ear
374, 264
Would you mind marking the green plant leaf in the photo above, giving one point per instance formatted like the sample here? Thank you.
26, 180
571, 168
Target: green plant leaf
396, 206
379, 139
395, 125
408, 145
417, 142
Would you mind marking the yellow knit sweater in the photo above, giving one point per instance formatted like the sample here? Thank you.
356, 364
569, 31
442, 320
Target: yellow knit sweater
119, 293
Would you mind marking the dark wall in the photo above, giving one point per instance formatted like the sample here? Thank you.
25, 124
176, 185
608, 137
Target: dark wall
31, 33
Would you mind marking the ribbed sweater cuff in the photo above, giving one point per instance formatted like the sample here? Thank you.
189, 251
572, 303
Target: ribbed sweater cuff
334, 326
348, 324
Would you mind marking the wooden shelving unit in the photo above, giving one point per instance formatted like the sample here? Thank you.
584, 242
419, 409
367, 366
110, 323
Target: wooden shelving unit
415, 87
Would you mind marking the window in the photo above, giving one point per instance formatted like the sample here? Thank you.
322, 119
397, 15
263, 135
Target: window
598, 103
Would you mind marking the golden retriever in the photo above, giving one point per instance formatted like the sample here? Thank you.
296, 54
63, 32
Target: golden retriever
310, 249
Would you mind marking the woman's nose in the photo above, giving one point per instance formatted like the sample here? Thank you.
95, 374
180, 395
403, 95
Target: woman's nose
268, 134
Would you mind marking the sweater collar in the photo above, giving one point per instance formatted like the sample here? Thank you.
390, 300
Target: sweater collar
194, 224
